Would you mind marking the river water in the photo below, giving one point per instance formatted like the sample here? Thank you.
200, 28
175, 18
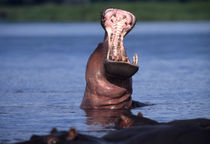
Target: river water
42, 67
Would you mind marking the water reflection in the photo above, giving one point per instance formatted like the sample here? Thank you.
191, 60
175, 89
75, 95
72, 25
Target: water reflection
116, 119
105, 118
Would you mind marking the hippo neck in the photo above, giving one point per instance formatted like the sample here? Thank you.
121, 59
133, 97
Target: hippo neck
104, 92
95, 66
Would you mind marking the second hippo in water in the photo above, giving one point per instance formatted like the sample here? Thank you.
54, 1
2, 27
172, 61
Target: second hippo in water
109, 71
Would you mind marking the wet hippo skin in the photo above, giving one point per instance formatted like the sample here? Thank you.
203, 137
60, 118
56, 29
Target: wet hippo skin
109, 71
137, 129
148, 134
131, 120
63, 137
160, 134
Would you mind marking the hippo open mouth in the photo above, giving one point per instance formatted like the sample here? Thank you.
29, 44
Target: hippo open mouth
117, 23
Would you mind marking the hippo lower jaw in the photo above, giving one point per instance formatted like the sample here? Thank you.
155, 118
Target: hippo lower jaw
117, 23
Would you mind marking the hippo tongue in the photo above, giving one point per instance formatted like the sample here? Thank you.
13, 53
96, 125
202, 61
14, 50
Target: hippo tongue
117, 23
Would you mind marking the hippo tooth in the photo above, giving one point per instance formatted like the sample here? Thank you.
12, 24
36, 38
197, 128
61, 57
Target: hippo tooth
135, 59
133, 62
126, 59
108, 54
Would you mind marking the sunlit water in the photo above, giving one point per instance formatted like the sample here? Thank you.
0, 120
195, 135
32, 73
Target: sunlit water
42, 70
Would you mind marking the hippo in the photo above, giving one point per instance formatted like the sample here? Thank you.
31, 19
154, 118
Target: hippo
109, 71
144, 134
159, 134
131, 120
63, 137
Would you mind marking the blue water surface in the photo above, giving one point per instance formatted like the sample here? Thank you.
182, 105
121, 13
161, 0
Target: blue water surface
42, 67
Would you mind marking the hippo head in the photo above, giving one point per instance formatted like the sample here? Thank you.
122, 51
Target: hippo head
117, 23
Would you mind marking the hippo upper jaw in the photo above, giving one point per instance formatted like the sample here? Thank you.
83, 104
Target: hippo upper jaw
117, 23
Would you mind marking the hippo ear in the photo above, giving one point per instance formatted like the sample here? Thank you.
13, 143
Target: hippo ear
124, 118
51, 139
140, 114
126, 121
72, 134
207, 127
54, 130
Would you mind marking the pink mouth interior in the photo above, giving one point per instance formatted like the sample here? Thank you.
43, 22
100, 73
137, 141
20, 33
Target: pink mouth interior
117, 24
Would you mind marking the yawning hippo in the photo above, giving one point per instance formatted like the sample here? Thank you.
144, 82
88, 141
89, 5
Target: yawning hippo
109, 71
